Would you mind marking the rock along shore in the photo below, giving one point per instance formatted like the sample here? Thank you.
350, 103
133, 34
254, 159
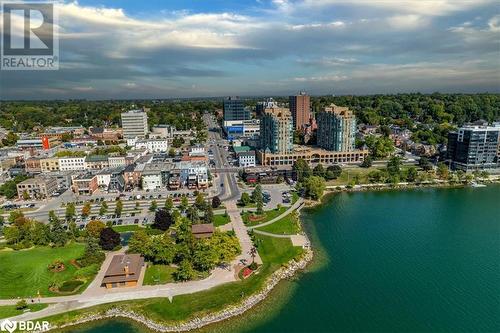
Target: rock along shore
285, 272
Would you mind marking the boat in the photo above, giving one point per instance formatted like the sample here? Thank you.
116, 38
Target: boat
474, 184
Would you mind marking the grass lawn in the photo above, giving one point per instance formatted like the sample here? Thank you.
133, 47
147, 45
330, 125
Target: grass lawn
7, 311
221, 220
274, 253
268, 216
289, 225
25, 272
126, 228
158, 274
348, 174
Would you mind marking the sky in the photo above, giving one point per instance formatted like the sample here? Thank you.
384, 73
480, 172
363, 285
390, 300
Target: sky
193, 48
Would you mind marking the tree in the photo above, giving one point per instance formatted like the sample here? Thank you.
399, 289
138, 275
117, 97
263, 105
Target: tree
139, 242
109, 239
258, 198
153, 206
245, 199
162, 250
333, 172
319, 170
253, 253
185, 271
442, 171
394, 166
40, 234
58, 235
70, 211
412, 174
163, 220
21, 305
169, 204
314, 187
302, 169
209, 214
200, 202
118, 208
184, 204
367, 162
86, 209
424, 163
92, 253
171, 152
94, 228
193, 215
104, 208
380, 147
216, 202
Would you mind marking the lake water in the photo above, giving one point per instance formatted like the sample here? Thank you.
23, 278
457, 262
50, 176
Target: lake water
424, 260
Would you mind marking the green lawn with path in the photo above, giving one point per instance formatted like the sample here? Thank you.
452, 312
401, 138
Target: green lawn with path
7, 311
221, 220
266, 217
274, 252
25, 272
159, 274
289, 225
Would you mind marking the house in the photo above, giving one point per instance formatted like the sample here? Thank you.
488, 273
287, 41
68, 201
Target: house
123, 271
40, 187
85, 184
202, 230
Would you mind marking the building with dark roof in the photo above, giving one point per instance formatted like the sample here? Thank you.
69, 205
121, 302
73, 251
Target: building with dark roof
123, 271
202, 230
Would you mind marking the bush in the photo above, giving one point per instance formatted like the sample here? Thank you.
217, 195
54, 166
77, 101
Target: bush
21, 305
70, 286
253, 266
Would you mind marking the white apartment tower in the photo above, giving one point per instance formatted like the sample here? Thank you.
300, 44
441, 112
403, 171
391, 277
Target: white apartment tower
135, 124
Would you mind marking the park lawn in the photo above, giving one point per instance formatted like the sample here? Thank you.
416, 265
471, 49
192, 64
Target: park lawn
7, 311
25, 272
268, 216
349, 174
221, 220
126, 228
159, 274
274, 252
289, 225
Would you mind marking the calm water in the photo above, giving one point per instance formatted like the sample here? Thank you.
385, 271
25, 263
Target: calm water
421, 261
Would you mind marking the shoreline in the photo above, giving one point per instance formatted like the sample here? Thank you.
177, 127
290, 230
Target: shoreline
331, 189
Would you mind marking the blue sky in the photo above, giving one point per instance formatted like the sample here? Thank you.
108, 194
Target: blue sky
163, 49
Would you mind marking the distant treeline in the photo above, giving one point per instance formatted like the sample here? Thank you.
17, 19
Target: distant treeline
403, 109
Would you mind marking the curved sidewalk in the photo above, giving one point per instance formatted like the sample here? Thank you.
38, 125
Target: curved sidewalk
296, 206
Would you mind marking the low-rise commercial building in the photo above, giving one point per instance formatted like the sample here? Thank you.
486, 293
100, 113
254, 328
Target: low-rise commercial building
85, 184
40, 187
50, 164
97, 162
72, 164
247, 159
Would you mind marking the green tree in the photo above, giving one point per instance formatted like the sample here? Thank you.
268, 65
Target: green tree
394, 166
314, 187
367, 162
380, 147
302, 169
258, 198
184, 204
162, 250
153, 206
70, 211
245, 199
185, 272
442, 171
412, 174
171, 152
119, 208
319, 170
104, 208
139, 242
40, 234
169, 204
58, 235
333, 172
424, 163
92, 253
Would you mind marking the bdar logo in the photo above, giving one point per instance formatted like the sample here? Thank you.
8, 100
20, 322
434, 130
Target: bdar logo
8, 326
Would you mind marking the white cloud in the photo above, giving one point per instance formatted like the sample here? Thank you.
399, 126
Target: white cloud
410, 21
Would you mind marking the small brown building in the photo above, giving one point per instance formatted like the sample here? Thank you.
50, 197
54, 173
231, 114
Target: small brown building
123, 271
202, 230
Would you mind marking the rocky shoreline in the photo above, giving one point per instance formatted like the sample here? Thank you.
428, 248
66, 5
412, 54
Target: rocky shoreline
285, 272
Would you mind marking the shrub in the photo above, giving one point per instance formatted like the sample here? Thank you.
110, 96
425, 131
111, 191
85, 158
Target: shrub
21, 305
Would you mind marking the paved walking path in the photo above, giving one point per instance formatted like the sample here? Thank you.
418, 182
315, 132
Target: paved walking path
297, 205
